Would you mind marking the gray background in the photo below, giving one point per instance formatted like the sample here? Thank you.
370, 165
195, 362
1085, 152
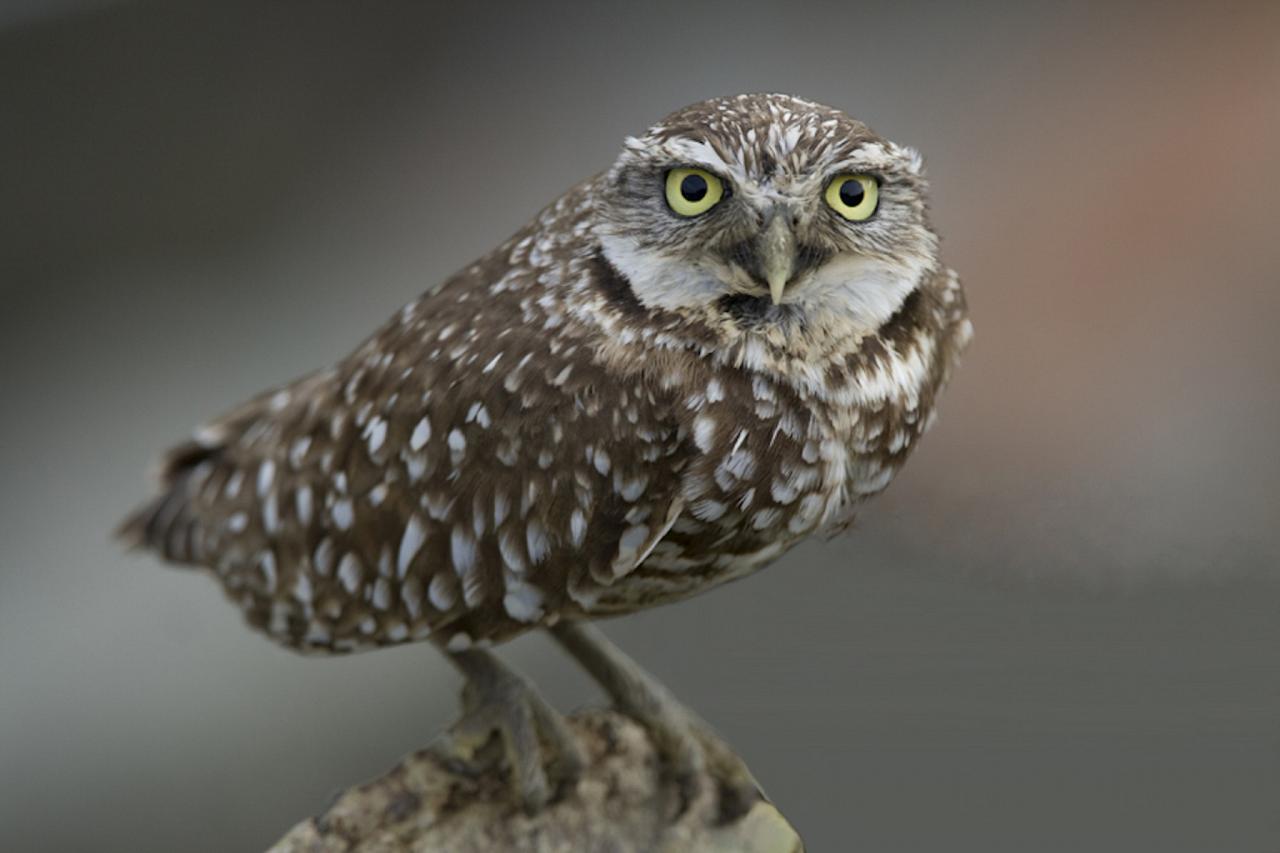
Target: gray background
1057, 631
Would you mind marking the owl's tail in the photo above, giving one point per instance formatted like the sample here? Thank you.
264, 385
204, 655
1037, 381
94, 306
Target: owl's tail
167, 523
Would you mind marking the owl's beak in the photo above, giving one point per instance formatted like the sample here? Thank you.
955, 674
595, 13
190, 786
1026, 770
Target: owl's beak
777, 255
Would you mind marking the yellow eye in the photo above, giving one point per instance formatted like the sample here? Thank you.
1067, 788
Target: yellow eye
853, 196
693, 191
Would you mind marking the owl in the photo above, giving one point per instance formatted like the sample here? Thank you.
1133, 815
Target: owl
722, 345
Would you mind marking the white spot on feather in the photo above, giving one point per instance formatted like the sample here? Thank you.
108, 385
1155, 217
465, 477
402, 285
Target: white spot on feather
298, 450
267, 565
563, 376
739, 465
376, 435
766, 518
523, 601
783, 492
271, 514
462, 550
442, 591
266, 475
478, 414
706, 509
631, 490
536, 540
382, 594
302, 501
629, 548
457, 446
411, 595
322, 559
415, 465
704, 431
421, 435
501, 507
302, 589
512, 555
350, 572
577, 527
343, 514
410, 543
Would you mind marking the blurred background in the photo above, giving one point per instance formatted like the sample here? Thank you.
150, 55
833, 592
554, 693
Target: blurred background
1058, 631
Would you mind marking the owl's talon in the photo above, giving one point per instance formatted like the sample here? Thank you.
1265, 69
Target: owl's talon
542, 754
682, 755
738, 789
695, 754
691, 750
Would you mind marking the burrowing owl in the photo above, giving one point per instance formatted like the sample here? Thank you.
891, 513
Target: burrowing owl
679, 369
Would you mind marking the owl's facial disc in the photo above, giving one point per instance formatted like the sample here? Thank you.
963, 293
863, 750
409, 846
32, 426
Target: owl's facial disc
769, 208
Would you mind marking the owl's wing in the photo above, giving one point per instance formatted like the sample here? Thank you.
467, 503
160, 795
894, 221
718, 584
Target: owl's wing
462, 475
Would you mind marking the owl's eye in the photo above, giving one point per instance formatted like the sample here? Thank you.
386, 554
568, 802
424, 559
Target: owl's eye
693, 191
853, 196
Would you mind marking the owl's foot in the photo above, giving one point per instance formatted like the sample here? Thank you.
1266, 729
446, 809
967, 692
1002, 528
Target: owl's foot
693, 751
542, 753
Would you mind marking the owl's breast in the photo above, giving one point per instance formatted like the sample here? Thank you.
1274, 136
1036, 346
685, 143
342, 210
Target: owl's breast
773, 465
774, 456
767, 468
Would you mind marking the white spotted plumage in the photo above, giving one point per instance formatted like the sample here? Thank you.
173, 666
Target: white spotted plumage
604, 413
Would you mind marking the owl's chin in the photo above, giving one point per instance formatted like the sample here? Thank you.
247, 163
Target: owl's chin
849, 295
755, 310
656, 280
861, 291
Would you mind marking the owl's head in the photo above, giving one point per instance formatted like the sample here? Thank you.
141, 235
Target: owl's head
768, 208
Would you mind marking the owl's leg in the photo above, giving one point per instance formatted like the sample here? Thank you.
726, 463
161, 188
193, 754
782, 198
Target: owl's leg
533, 736
692, 750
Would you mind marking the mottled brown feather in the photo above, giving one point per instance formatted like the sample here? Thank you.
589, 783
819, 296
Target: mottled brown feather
532, 441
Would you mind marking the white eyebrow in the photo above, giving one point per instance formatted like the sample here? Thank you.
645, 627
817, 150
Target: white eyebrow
697, 152
879, 155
